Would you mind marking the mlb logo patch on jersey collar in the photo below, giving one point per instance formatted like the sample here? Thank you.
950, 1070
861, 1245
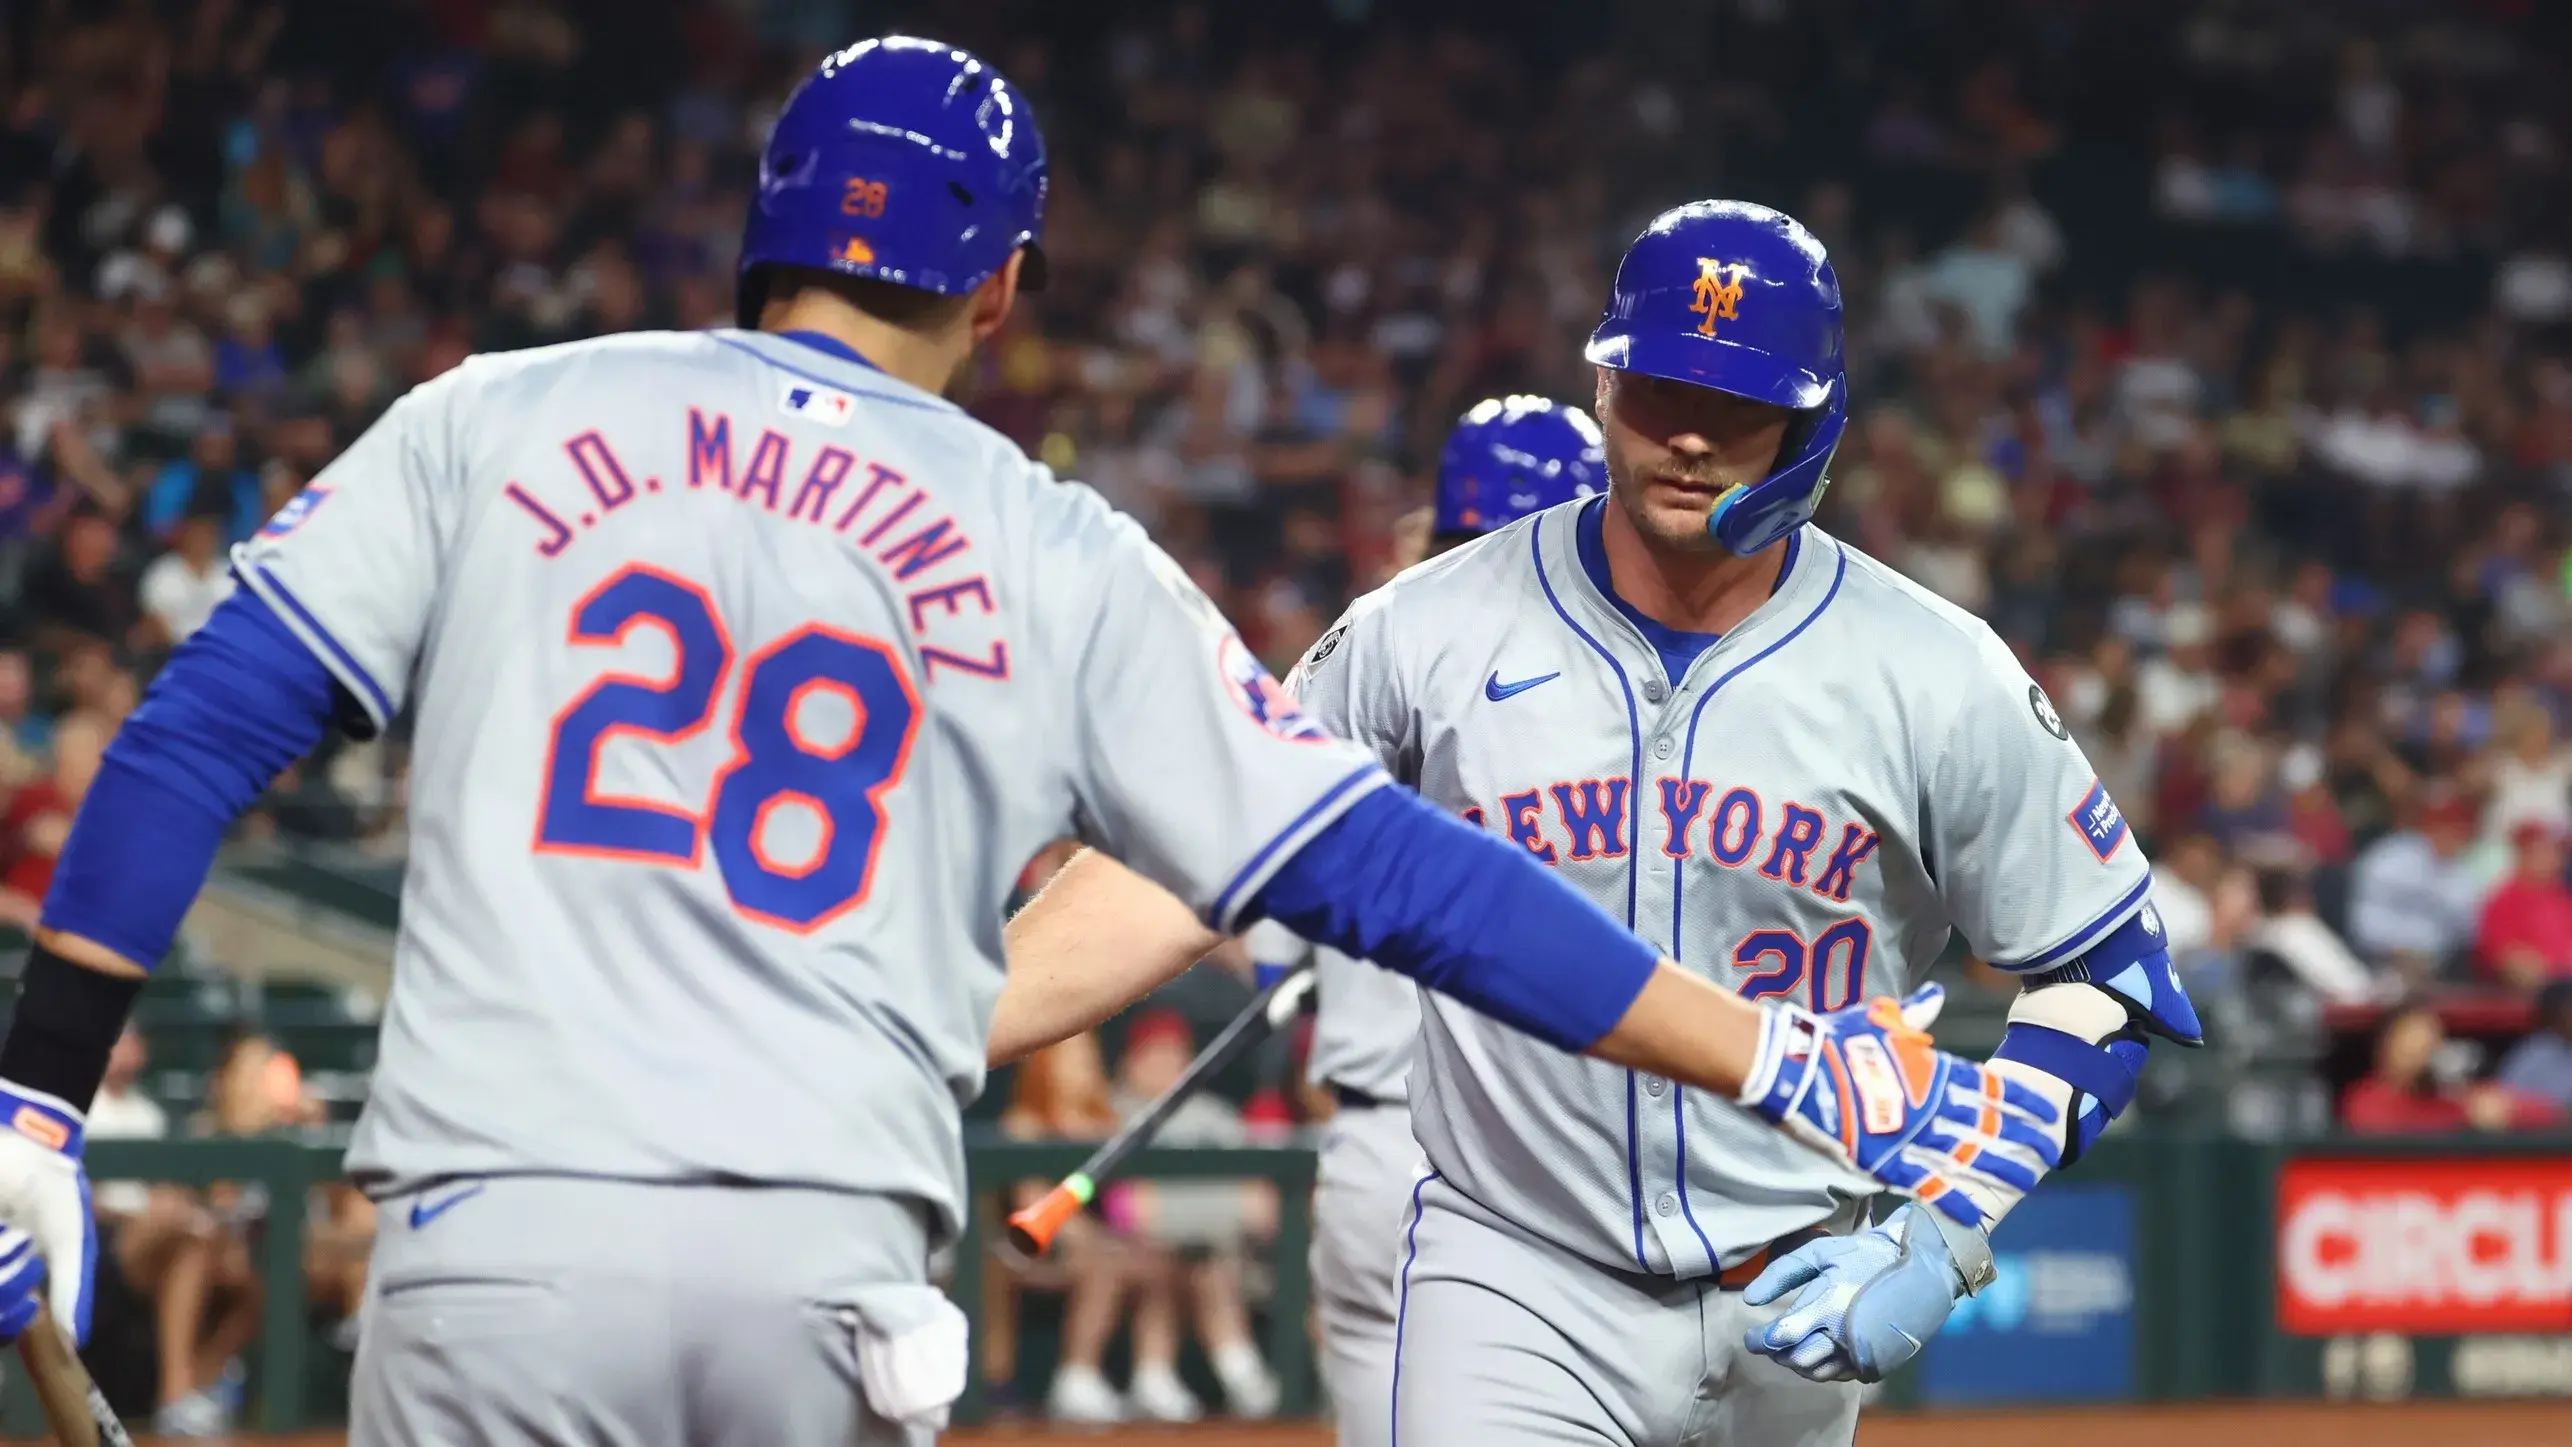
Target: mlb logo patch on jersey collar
818, 403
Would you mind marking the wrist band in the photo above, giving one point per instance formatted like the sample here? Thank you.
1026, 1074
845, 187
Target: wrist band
67, 1021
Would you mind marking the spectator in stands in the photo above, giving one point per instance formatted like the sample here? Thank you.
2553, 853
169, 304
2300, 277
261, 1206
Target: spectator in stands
37, 819
173, 1254
1061, 1093
2531, 777
2525, 938
182, 587
211, 480
2406, 1094
2541, 1064
2297, 938
1207, 1223
76, 594
2414, 899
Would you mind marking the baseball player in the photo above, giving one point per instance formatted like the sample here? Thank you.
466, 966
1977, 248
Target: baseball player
1797, 773
1508, 457
747, 671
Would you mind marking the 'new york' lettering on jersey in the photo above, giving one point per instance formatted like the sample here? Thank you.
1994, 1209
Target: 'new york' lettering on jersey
1849, 776
746, 680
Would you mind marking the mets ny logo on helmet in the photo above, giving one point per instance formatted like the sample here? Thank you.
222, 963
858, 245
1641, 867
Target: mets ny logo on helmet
1718, 292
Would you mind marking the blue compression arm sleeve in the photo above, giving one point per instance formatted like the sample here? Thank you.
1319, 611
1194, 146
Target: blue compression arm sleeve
240, 700
1465, 914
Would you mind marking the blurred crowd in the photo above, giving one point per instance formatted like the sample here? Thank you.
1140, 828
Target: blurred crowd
2219, 353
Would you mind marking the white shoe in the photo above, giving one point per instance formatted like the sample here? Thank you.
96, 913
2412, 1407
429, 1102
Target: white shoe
1161, 1397
197, 1414
1249, 1388
1081, 1395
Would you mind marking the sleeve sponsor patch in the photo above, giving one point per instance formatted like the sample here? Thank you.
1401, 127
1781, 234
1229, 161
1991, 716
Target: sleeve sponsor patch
296, 512
2100, 822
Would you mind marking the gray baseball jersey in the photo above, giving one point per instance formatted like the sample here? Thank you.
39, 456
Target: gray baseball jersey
747, 678
1855, 770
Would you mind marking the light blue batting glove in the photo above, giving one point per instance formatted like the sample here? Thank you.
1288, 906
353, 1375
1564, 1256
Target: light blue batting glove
1868, 1302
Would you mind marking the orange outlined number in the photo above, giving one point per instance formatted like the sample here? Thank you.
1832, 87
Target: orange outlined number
838, 784
861, 197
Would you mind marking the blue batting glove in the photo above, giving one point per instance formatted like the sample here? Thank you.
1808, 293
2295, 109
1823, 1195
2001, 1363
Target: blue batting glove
1866, 1086
1868, 1302
47, 1231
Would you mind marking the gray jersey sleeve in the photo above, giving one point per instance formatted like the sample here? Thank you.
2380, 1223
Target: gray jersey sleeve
352, 564
2033, 858
1190, 763
1348, 683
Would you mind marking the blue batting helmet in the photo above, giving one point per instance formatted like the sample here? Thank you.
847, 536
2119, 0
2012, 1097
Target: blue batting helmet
1511, 456
900, 159
1742, 299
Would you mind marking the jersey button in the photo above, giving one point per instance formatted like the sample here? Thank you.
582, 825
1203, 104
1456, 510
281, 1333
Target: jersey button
1668, 1205
1661, 750
1656, 690
1652, 1085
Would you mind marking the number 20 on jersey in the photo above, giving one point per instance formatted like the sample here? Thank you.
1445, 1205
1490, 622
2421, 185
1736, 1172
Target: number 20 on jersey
840, 781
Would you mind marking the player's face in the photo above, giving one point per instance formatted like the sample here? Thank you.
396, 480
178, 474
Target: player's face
1674, 450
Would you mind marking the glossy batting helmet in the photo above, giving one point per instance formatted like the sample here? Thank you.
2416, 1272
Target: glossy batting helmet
1742, 299
900, 159
1511, 456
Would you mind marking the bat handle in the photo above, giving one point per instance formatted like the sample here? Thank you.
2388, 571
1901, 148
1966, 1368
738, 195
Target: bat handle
74, 1407
1032, 1228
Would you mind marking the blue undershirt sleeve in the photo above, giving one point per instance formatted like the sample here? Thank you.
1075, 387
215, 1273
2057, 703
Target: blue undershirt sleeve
238, 702
1463, 913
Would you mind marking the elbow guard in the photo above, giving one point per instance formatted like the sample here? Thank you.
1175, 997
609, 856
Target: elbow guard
2085, 1026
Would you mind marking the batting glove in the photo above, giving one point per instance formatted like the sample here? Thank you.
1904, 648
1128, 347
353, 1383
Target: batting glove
46, 1228
1868, 1302
1865, 1086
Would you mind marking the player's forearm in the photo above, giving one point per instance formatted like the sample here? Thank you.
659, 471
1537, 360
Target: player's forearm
1099, 937
1688, 1029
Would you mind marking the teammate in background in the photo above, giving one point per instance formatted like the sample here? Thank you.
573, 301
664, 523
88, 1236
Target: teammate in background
747, 672
1794, 770
1507, 458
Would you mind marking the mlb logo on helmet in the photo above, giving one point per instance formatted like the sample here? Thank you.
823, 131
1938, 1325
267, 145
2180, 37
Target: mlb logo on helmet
1718, 293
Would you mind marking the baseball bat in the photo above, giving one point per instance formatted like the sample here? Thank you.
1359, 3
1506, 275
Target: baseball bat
75, 1410
1032, 1228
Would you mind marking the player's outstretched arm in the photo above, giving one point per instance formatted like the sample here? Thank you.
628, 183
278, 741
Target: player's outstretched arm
1098, 938
1467, 914
238, 702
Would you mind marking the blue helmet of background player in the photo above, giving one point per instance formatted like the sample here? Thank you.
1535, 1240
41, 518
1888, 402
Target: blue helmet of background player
1742, 299
1511, 456
900, 159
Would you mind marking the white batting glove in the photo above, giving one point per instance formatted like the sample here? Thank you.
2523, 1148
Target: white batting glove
44, 1193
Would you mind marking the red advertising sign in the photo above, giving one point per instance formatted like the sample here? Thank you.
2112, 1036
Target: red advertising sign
2427, 1246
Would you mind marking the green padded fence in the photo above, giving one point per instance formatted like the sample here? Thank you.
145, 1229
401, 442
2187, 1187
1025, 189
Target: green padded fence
2205, 1322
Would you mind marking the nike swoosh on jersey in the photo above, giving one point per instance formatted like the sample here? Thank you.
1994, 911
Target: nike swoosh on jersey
1495, 690
423, 1211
